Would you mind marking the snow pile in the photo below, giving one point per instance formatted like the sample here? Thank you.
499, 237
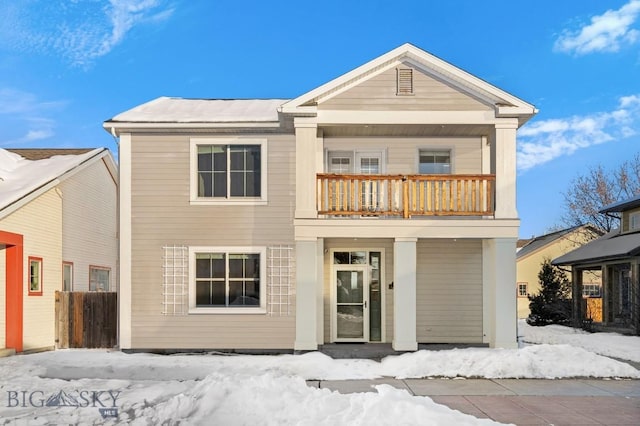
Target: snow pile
533, 362
19, 176
231, 391
608, 344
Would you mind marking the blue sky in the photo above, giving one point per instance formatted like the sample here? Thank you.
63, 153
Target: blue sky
66, 66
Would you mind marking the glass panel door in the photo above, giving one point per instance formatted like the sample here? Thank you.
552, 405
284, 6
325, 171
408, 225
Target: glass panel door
352, 318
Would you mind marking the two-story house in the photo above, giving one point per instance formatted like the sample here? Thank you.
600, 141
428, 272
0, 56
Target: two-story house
378, 207
615, 257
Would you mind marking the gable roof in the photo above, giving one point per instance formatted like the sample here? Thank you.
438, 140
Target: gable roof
621, 206
610, 246
537, 243
23, 179
506, 104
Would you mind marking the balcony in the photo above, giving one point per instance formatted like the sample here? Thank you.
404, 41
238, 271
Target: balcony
405, 195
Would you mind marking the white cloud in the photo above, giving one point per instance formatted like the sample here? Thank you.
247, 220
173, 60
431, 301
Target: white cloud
606, 33
79, 31
543, 141
24, 110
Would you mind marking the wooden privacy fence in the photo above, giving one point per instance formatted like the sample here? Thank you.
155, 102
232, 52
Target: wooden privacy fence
405, 195
86, 319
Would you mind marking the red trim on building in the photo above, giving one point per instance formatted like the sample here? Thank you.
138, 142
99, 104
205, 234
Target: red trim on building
13, 296
40, 273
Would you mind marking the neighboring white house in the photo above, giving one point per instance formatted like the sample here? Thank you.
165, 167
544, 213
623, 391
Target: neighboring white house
58, 231
378, 207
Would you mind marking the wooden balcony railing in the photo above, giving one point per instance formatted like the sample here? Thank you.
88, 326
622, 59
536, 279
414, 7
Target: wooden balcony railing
405, 195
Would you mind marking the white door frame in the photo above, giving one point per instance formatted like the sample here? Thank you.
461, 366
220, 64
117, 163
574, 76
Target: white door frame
365, 300
333, 297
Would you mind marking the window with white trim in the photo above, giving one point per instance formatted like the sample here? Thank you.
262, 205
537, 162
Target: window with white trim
227, 280
228, 170
99, 278
591, 290
523, 289
35, 276
434, 161
67, 276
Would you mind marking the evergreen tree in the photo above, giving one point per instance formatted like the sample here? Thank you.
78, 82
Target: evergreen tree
552, 305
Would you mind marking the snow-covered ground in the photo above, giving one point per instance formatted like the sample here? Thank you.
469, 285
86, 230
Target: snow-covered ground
608, 344
89, 386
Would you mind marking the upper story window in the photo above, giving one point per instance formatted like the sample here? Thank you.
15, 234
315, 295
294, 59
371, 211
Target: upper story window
634, 221
358, 162
404, 83
434, 162
227, 171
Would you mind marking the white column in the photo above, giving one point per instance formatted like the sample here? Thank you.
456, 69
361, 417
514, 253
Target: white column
488, 279
306, 290
505, 164
307, 142
404, 294
502, 306
124, 283
320, 291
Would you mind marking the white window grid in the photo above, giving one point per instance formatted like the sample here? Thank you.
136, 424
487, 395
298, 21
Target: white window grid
281, 279
175, 284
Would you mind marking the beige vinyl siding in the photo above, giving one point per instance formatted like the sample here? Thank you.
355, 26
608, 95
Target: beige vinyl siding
449, 291
162, 215
378, 93
89, 227
626, 222
360, 244
402, 153
40, 223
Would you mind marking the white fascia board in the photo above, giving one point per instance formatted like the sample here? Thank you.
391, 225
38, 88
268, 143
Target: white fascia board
115, 128
415, 228
424, 61
330, 117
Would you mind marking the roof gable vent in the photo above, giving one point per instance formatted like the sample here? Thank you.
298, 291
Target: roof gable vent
404, 81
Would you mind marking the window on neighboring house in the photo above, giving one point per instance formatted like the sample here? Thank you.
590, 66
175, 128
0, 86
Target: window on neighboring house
591, 290
404, 83
232, 171
523, 290
227, 280
35, 276
67, 276
434, 162
99, 278
634, 221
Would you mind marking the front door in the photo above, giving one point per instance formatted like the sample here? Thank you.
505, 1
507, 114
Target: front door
351, 303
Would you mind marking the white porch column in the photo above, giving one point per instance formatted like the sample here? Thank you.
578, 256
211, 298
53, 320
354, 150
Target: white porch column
124, 283
320, 291
306, 291
505, 164
307, 146
404, 294
500, 258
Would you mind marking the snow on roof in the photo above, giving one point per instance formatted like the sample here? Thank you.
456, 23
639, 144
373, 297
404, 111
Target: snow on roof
19, 176
180, 110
